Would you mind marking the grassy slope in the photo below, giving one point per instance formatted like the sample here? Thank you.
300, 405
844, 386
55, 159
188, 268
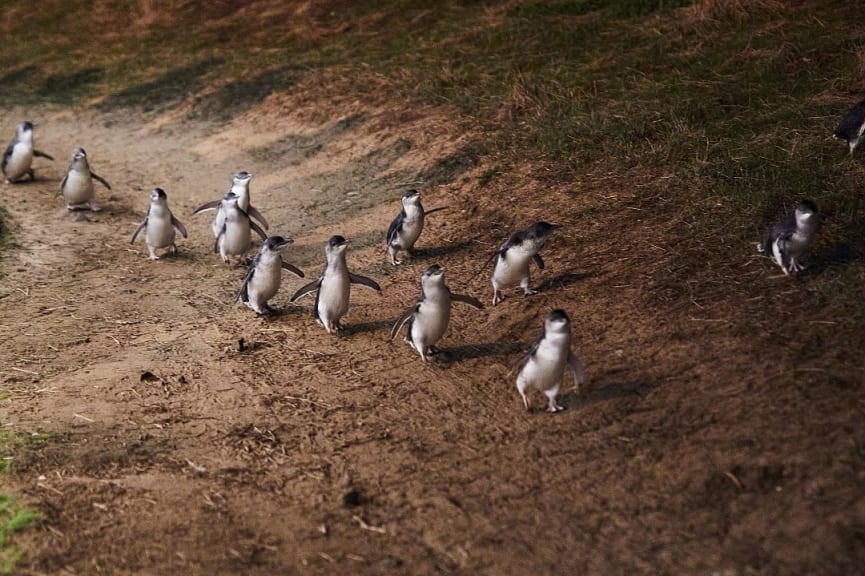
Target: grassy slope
718, 117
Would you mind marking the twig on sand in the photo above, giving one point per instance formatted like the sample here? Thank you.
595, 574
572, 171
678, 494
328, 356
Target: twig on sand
85, 418
364, 526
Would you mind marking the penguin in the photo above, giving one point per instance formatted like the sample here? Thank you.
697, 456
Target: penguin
790, 237
159, 225
235, 237
852, 126
77, 185
405, 229
513, 257
544, 364
240, 187
18, 157
427, 321
333, 288
264, 276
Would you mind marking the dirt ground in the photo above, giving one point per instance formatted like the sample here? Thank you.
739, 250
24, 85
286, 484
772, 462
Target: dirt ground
179, 433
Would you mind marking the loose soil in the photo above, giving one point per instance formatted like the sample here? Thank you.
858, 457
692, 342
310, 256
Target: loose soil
185, 435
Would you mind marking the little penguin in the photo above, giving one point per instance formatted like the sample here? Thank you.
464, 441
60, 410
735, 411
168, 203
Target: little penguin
333, 288
265, 275
427, 321
545, 362
235, 237
405, 229
240, 187
852, 126
159, 225
513, 257
790, 237
77, 185
18, 157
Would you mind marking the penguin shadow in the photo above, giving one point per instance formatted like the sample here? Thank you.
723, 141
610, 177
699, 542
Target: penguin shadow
469, 351
439, 251
840, 254
563, 280
363, 327
288, 310
575, 399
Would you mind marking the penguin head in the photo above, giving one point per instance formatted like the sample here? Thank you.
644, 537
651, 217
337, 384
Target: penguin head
558, 321
242, 177
541, 230
25, 129
276, 243
335, 245
806, 213
435, 274
230, 198
79, 154
410, 197
158, 195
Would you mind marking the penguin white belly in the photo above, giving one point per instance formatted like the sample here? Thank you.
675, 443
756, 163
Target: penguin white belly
160, 232
236, 239
266, 280
411, 230
333, 297
546, 368
242, 199
430, 323
20, 161
78, 188
511, 269
797, 244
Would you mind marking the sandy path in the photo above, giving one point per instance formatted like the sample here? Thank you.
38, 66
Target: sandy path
171, 451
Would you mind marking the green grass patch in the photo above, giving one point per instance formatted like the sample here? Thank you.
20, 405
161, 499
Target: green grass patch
13, 519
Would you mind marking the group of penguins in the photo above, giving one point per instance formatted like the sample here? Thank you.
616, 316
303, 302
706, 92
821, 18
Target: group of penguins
427, 320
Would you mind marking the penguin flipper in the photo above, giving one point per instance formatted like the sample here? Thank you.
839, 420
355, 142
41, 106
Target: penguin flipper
42, 154
138, 231
293, 269
257, 215
100, 179
179, 225
425, 212
394, 228
466, 299
406, 316
208, 206
307, 289
358, 279
63, 183
486, 263
258, 229
216, 242
578, 370
243, 295
539, 261
7, 154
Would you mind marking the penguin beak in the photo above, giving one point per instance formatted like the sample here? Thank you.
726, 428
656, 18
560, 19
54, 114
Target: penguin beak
285, 242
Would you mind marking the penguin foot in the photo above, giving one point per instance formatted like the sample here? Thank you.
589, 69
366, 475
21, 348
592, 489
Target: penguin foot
529, 292
553, 408
497, 298
525, 401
